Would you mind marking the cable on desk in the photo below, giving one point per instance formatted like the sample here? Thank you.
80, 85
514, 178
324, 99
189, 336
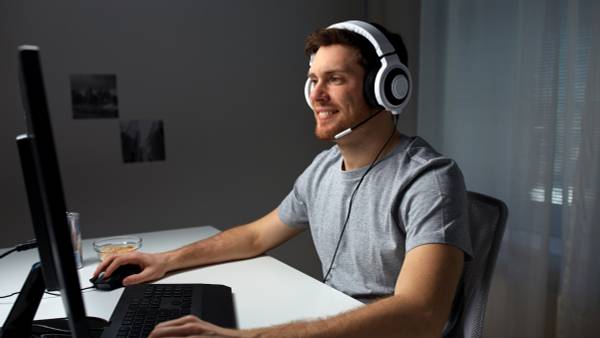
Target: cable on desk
12, 294
51, 328
58, 294
30, 244
48, 292
58, 330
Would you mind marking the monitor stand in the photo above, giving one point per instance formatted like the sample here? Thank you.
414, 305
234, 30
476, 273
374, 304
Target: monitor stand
20, 323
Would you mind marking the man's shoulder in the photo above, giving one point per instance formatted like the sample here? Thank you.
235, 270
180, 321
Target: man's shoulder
417, 157
420, 152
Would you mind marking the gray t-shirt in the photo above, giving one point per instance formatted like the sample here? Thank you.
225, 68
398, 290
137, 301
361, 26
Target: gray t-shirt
413, 196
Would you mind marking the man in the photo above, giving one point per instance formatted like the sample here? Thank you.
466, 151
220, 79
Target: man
387, 213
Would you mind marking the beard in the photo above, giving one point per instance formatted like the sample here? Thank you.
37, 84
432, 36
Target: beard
328, 132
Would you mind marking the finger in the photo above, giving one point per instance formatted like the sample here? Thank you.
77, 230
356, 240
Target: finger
133, 279
184, 330
178, 321
118, 260
164, 329
137, 278
102, 266
136, 258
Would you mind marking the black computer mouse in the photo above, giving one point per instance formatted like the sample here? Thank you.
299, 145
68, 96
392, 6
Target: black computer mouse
115, 280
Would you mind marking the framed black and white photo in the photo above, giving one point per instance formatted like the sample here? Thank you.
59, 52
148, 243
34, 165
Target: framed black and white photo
94, 96
142, 140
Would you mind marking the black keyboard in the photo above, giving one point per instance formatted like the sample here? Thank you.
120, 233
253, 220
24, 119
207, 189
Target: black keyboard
141, 307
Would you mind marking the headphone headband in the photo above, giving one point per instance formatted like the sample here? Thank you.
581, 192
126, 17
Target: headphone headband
379, 41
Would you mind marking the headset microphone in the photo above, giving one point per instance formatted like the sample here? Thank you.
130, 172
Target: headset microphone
349, 130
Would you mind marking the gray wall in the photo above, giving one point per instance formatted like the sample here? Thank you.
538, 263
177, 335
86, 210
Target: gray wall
226, 78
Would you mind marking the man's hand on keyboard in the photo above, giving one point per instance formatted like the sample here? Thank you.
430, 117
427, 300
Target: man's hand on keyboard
192, 326
153, 266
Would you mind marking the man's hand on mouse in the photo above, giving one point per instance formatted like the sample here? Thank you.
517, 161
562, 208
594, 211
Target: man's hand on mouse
153, 266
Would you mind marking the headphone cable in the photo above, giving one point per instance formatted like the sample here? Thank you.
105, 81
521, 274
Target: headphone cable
373, 164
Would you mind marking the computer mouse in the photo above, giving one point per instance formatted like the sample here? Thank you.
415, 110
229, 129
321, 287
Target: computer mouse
115, 280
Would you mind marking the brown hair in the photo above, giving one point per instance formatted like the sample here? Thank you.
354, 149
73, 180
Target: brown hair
367, 55
327, 37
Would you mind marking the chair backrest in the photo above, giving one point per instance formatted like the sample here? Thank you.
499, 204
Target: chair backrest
487, 218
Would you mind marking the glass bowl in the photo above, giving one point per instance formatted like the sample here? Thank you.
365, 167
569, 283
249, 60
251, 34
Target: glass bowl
117, 245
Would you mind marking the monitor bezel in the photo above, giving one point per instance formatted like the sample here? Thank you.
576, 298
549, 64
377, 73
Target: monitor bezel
51, 195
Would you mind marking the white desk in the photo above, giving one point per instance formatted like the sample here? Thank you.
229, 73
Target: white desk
266, 291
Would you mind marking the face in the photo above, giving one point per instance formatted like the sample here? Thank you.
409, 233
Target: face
337, 95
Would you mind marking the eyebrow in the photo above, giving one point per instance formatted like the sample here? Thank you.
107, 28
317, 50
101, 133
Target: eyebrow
332, 71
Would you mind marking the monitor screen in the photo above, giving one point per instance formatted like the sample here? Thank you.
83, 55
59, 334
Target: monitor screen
45, 192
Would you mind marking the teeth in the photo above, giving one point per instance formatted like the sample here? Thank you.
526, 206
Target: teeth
324, 113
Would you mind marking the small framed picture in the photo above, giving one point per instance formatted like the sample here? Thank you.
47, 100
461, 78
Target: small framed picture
142, 140
94, 96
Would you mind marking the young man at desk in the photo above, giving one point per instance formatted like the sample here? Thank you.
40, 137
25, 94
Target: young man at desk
387, 213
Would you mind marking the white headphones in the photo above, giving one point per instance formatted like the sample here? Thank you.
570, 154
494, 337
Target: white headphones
392, 85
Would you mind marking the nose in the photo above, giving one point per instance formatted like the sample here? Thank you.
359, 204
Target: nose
318, 93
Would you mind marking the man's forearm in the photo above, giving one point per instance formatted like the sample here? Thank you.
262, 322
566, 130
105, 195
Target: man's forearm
235, 243
241, 242
420, 306
391, 317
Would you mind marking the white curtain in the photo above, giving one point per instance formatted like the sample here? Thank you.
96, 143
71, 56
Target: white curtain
511, 90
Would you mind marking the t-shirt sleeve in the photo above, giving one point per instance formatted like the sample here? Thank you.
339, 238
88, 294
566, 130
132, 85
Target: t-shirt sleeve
434, 208
293, 210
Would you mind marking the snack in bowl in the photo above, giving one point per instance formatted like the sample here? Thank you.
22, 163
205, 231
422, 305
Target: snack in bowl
116, 245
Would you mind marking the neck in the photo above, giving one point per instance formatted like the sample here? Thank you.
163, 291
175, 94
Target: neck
361, 146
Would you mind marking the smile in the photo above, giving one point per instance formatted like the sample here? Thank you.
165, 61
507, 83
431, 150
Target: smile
326, 115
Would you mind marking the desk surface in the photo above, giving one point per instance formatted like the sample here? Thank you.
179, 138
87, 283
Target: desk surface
266, 291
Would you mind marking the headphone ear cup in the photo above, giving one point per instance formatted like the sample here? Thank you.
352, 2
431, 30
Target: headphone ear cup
308, 86
369, 88
396, 86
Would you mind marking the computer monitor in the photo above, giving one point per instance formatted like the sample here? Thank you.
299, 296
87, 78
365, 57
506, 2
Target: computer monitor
47, 205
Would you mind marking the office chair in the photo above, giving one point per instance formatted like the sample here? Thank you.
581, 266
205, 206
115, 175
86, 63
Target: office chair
487, 218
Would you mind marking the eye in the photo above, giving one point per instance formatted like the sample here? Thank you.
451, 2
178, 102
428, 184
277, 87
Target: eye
336, 79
